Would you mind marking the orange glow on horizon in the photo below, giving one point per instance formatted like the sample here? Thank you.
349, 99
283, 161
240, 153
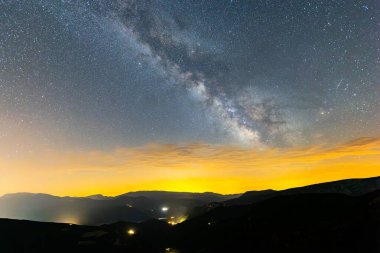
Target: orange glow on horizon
195, 167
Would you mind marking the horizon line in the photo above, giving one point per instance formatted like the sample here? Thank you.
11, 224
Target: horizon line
195, 192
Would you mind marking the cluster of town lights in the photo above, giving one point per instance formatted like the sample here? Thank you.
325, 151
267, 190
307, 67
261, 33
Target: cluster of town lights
174, 221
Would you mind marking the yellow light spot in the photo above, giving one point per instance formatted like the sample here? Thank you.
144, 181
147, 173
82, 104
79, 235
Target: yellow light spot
131, 231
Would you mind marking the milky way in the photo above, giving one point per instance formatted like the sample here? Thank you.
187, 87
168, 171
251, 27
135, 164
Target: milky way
98, 74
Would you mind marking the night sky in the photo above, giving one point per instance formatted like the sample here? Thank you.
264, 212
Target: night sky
100, 76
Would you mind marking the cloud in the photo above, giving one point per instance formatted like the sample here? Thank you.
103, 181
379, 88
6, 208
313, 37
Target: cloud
188, 167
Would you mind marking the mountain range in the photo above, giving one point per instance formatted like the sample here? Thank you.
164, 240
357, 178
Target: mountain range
144, 205
341, 216
98, 209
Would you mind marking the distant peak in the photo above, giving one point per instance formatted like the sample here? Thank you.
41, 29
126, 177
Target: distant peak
26, 194
97, 197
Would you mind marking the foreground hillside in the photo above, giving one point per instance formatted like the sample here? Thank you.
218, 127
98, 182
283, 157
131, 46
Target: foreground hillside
320, 222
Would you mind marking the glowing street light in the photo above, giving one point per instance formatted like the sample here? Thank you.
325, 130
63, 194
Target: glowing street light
164, 208
131, 231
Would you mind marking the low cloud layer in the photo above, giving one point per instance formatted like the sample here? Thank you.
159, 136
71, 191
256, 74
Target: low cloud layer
188, 167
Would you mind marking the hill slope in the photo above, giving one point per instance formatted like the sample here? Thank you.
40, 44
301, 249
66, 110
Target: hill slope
351, 187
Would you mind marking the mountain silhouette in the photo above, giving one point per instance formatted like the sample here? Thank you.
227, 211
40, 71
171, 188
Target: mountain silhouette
305, 222
351, 187
98, 209
145, 205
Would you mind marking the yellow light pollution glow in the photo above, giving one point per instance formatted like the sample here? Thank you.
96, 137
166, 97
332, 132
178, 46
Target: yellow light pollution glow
195, 167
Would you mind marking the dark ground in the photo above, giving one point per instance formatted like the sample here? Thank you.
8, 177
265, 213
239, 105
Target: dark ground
310, 222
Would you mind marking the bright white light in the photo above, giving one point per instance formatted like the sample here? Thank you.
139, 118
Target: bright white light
164, 208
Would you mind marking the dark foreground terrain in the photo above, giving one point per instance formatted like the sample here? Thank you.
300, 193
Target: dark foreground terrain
307, 222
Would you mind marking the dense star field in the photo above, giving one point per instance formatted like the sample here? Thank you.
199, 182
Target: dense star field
226, 96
